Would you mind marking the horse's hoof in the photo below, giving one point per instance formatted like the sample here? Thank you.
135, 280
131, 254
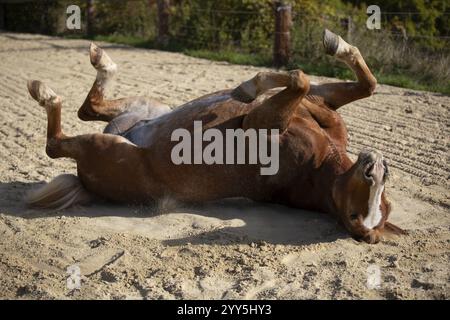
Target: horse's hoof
42, 93
95, 54
330, 42
241, 95
247, 91
299, 80
100, 60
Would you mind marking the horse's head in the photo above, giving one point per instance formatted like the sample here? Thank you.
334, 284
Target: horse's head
360, 198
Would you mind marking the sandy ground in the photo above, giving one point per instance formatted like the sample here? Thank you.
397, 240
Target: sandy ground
232, 249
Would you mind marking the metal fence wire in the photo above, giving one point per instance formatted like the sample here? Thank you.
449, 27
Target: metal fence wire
250, 31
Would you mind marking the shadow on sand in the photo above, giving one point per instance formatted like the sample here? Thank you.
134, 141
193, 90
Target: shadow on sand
228, 221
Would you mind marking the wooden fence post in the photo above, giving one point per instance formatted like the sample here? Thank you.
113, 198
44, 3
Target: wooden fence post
347, 24
283, 24
90, 18
163, 21
349, 29
2, 16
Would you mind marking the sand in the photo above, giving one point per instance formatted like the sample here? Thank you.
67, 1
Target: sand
229, 249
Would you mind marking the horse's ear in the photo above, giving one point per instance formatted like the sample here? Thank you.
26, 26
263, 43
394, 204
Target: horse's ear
390, 228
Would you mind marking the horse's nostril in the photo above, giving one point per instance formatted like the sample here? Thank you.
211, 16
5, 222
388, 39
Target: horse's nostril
368, 171
386, 169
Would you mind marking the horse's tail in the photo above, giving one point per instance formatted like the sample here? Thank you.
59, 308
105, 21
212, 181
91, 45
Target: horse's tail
62, 192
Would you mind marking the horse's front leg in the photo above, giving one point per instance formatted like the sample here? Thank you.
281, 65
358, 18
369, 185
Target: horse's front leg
276, 111
337, 94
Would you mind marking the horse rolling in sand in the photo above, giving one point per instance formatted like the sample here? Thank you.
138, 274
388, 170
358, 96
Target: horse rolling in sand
130, 162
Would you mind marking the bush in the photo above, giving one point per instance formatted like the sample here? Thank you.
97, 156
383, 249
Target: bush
242, 31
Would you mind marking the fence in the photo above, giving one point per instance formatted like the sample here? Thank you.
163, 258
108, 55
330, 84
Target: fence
290, 32
272, 28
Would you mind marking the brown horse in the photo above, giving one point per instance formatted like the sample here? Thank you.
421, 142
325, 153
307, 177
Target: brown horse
132, 161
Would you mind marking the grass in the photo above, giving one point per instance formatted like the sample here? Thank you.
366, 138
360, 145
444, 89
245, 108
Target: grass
138, 42
232, 57
399, 79
404, 81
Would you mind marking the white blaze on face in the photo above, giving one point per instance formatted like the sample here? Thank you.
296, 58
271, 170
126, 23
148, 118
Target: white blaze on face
374, 216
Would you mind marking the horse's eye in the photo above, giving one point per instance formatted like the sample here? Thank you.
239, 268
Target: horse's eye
354, 216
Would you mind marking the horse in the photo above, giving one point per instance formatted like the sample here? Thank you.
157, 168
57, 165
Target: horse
132, 160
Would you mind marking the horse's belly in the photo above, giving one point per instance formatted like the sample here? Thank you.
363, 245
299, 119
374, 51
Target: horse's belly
213, 110
142, 134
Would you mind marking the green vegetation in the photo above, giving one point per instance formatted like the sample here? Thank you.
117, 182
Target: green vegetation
232, 57
411, 50
330, 69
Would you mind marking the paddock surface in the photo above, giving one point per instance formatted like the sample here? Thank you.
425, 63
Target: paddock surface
231, 249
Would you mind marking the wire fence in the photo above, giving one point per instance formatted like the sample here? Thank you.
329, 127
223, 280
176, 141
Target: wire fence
217, 32
409, 42
403, 45
385, 18
209, 27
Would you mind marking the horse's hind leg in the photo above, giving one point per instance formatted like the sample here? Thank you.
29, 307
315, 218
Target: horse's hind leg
52, 105
339, 94
96, 107
106, 163
58, 144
